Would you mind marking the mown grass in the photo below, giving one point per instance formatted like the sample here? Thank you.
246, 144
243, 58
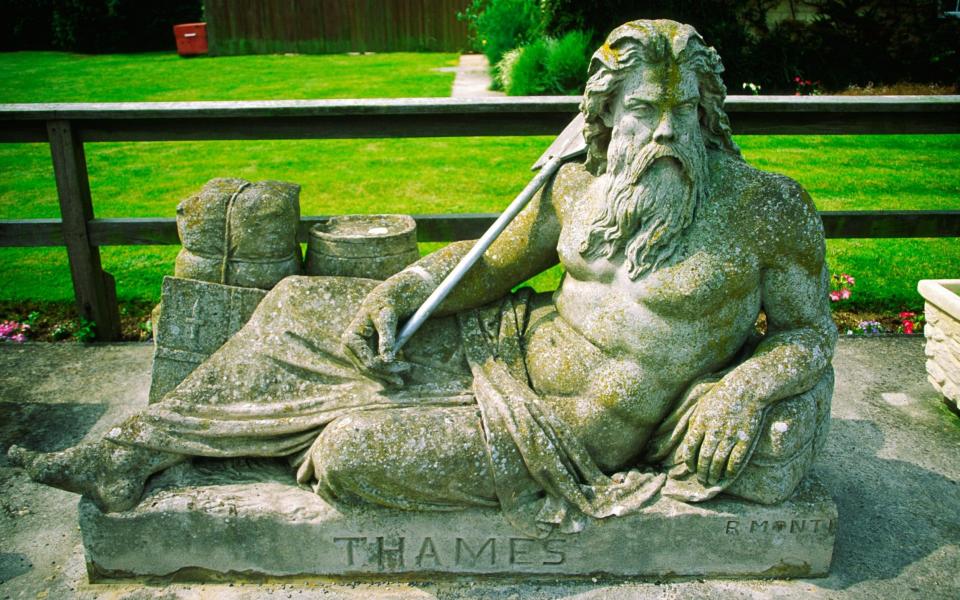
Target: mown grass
404, 175
165, 77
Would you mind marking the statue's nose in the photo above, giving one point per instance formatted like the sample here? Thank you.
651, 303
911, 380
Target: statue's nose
664, 131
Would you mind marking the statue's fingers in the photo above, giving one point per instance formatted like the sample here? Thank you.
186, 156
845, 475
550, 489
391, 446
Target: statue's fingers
373, 366
691, 448
738, 456
707, 450
720, 458
385, 321
397, 366
361, 324
389, 373
358, 349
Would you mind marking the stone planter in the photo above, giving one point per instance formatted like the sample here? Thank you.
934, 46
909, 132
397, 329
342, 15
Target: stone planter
942, 311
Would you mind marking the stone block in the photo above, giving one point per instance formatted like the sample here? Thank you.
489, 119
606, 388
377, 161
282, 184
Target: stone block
194, 319
252, 519
240, 233
942, 332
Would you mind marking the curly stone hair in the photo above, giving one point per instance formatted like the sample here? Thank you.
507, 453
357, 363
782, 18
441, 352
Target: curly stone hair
649, 42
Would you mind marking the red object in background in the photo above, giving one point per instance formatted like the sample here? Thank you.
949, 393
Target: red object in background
191, 38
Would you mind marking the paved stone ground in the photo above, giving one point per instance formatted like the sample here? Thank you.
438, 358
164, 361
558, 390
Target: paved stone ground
473, 78
891, 464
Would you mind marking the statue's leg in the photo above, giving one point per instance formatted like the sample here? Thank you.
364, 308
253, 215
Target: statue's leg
112, 471
420, 458
110, 474
267, 392
793, 432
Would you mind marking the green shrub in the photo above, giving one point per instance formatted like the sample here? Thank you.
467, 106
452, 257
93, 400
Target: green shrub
497, 26
847, 42
528, 76
503, 72
567, 61
546, 66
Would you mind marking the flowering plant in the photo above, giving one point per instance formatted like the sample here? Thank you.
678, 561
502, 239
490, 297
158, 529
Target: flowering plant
910, 322
869, 328
805, 87
840, 285
12, 331
753, 87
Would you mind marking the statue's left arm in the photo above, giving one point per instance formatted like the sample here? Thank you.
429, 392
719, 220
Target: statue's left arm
793, 355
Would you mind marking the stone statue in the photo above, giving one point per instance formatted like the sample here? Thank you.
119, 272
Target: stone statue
642, 375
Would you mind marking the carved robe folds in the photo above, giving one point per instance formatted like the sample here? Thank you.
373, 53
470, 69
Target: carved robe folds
273, 388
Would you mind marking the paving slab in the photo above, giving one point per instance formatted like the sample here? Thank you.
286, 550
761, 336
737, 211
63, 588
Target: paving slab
472, 78
890, 464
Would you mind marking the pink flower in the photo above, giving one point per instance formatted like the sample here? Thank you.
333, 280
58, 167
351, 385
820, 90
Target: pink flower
848, 279
907, 314
19, 338
834, 296
908, 327
844, 293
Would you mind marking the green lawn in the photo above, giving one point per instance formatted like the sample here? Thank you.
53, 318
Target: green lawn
407, 175
165, 77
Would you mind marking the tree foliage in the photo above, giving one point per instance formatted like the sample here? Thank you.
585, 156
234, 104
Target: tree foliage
93, 26
847, 42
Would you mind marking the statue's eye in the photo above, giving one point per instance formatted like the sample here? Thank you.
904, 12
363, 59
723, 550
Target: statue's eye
686, 108
642, 109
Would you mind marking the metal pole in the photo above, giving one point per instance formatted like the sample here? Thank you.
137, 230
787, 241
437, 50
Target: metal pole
450, 281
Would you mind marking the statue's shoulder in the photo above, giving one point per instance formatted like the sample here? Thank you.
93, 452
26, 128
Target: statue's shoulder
569, 185
781, 214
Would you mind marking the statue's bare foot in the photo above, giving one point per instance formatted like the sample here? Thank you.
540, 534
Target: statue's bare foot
110, 475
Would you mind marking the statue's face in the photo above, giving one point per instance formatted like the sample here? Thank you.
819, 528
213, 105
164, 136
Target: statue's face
656, 168
656, 103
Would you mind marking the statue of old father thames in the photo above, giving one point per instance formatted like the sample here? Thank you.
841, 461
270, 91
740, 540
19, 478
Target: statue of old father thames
641, 375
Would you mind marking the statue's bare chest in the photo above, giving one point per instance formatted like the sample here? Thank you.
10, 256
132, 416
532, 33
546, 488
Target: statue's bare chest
706, 272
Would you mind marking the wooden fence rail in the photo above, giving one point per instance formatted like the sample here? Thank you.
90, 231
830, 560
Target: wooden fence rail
67, 127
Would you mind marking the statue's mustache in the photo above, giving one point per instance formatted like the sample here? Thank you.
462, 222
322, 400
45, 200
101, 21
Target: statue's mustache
654, 151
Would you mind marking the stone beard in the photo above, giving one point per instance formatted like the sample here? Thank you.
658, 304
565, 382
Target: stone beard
651, 196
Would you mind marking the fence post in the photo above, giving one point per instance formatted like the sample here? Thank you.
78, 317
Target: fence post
93, 288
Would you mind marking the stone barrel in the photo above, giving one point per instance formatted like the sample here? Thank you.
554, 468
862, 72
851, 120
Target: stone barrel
370, 246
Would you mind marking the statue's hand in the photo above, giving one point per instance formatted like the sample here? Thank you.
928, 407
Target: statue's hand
719, 436
369, 339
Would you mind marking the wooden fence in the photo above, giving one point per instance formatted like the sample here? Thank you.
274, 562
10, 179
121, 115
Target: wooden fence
328, 26
66, 127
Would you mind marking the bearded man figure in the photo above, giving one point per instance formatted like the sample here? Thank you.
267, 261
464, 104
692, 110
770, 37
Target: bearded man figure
642, 375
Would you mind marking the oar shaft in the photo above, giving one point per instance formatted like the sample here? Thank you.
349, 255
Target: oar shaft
453, 278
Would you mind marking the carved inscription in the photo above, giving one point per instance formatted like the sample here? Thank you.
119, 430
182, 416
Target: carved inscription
194, 321
794, 526
386, 553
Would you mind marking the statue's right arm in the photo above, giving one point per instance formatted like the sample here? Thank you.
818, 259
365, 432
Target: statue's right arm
527, 247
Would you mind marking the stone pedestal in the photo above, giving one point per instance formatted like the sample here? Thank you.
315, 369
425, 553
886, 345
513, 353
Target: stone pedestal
198, 519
